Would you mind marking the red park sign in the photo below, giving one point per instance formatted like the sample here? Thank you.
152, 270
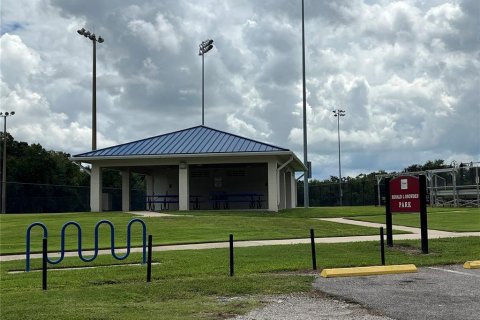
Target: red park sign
405, 194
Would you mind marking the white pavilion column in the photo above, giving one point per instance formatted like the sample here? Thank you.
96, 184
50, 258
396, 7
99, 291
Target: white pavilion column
126, 190
96, 188
272, 186
281, 194
183, 187
288, 189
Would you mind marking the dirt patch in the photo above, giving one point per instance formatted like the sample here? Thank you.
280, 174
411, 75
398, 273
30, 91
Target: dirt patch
413, 251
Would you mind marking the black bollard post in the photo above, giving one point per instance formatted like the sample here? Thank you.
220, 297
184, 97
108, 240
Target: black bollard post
314, 255
231, 256
149, 259
423, 212
382, 247
44, 264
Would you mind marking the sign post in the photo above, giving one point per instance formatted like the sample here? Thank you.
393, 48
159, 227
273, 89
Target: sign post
407, 194
388, 213
423, 212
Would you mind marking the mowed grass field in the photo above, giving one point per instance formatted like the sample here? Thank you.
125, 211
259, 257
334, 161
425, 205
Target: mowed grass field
195, 284
191, 227
458, 220
215, 226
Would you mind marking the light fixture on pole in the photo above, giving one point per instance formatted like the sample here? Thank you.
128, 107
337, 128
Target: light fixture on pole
4, 162
94, 39
306, 201
204, 47
339, 113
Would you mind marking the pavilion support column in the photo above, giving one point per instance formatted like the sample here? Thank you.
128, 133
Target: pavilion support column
288, 190
294, 191
183, 187
272, 186
282, 189
96, 188
126, 190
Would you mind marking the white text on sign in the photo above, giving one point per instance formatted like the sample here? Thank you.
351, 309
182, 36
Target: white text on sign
404, 204
404, 196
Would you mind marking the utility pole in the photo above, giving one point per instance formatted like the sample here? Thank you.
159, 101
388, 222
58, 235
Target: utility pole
339, 113
306, 201
4, 162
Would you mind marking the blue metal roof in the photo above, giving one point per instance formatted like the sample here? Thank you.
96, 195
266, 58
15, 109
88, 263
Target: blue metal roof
196, 140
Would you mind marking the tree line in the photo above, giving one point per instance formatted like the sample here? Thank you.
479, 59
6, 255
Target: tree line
40, 180
363, 189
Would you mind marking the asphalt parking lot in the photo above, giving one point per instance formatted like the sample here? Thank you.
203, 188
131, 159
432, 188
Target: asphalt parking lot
442, 292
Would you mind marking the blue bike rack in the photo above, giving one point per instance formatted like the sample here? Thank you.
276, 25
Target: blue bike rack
79, 229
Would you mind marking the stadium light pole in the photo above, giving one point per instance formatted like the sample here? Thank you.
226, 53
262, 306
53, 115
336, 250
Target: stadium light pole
4, 162
94, 39
339, 113
306, 201
204, 47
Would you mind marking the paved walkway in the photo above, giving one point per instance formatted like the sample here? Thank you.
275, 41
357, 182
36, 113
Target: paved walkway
415, 234
155, 214
431, 233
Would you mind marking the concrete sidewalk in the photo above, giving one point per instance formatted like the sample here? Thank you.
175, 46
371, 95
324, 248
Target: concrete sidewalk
432, 234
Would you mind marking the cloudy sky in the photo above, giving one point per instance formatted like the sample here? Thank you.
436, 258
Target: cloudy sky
406, 72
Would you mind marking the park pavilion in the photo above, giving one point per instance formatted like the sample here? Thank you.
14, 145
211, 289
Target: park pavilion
199, 168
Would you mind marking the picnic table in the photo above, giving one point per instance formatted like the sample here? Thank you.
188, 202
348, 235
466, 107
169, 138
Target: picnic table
166, 199
224, 199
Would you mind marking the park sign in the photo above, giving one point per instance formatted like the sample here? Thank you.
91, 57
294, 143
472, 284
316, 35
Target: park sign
404, 194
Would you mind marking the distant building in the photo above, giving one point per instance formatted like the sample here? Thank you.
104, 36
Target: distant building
199, 168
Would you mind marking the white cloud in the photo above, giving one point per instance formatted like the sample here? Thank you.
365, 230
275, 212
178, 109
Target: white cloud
159, 34
406, 72
18, 62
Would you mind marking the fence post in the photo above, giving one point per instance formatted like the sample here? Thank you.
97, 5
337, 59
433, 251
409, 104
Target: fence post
314, 255
149, 259
44, 264
382, 247
231, 256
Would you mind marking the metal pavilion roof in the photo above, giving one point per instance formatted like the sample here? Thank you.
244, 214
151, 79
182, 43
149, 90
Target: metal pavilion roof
196, 140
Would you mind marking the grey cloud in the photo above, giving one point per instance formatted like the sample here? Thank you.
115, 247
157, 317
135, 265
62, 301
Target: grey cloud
400, 74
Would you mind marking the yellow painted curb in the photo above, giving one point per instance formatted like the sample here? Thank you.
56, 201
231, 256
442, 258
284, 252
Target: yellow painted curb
472, 264
368, 271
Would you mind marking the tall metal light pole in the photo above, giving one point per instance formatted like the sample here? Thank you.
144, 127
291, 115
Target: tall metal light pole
94, 39
204, 47
339, 113
4, 162
306, 201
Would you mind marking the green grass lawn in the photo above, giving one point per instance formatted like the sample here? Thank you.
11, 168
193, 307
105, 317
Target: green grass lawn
214, 226
195, 227
195, 284
458, 220
312, 212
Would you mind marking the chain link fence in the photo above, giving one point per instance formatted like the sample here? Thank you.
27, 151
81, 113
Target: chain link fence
40, 198
362, 193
